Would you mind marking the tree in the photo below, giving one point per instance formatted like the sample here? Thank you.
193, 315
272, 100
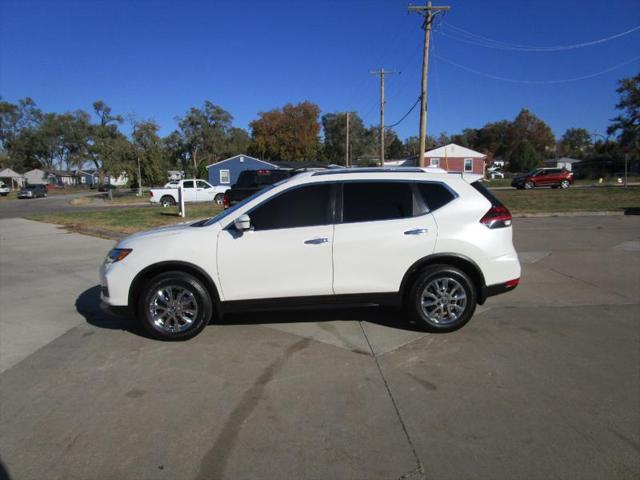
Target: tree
523, 157
537, 133
148, 148
627, 125
237, 142
106, 147
334, 126
15, 120
575, 142
289, 134
394, 148
204, 133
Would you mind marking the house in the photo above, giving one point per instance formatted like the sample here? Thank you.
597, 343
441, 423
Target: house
455, 158
11, 178
564, 162
65, 178
36, 177
119, 181
226, 172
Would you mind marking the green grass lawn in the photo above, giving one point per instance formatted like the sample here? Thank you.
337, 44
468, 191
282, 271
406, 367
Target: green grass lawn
546, 200
127, 220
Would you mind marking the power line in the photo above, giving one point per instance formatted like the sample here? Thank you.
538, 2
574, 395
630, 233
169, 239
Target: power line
538, 82
480, 40
405, 115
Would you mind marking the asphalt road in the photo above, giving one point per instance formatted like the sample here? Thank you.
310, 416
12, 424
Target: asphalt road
51, 204
543, 383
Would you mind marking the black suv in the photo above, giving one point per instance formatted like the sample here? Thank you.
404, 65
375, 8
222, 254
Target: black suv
33, 191
252, 181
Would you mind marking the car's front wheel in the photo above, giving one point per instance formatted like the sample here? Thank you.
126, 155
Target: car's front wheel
564, 184
174, 306
442, 298
529, 185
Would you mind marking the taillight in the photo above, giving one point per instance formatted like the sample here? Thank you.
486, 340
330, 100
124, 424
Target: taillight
150, 193
497, 217
226, 202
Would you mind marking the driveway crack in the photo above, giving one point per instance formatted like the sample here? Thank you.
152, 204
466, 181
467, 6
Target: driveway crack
420, 467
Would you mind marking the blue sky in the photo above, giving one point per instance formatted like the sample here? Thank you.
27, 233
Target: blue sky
155, 59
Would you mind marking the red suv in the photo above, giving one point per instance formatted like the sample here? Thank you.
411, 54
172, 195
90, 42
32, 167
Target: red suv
544, 177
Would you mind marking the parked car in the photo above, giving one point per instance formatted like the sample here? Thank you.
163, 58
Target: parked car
496, 174
544, 177
252, 181
194, 190
436, 243
33, 191
4, 190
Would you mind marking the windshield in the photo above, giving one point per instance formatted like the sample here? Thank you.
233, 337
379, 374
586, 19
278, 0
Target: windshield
230, 210
534, 171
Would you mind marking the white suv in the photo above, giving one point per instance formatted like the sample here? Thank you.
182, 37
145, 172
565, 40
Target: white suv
434, 243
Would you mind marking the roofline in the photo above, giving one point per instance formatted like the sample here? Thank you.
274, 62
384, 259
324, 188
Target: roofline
240, 155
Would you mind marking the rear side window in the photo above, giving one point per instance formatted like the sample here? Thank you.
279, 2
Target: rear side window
188, 184
487, 194
372, 201
300, 207
435, 195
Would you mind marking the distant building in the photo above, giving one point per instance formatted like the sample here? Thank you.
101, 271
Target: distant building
455, 158
563, 162
11, 178
37, 177
452, 158
226, 172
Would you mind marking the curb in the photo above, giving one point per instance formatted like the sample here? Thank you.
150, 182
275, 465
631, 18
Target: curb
570, 214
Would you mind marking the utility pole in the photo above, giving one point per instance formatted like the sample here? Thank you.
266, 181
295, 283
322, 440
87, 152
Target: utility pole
346, 155
429, 12
139, 177
382, 72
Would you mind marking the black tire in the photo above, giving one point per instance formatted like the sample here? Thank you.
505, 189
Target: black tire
168, 201
529, 185
219, 198
413, 304
182, 281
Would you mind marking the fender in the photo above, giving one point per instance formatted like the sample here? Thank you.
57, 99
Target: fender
462, 262
159, 267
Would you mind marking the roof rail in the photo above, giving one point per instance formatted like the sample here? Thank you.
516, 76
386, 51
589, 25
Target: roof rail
340, 171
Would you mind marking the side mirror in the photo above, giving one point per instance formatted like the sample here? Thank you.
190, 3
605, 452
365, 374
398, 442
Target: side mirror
242, 223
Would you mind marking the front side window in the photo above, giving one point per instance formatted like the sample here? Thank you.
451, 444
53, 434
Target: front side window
188, 184
224, 176
373, 201
202, 184
468, 165
299, 207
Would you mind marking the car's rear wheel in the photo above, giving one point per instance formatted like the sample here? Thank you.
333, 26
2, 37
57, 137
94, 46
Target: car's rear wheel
167, 201
564, 184
442, 298
219, 198
174, 306
529, 185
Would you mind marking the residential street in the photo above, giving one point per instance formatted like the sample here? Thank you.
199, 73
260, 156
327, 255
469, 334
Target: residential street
544, 382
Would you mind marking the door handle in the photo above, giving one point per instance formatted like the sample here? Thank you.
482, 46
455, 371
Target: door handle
417, 231
316, 241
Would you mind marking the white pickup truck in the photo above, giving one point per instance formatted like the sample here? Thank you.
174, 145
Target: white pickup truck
194, 190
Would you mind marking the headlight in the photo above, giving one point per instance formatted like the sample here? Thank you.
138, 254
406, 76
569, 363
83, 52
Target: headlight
117, 254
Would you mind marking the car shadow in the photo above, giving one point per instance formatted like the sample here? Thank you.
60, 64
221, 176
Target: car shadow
631, 210
88, 305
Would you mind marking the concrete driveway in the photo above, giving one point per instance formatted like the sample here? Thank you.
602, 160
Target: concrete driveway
543, 383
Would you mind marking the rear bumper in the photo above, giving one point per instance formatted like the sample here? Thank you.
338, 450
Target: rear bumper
493, 290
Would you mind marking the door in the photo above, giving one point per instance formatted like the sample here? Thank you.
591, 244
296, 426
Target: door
384, 230
288, 251
189, 191
204, 191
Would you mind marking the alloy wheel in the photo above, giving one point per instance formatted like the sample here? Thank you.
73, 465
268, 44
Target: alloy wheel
173, 308
443, 300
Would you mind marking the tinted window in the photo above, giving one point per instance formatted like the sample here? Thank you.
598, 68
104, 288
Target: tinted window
435, 195
188, 184
371, 201
300, 207
487, 194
